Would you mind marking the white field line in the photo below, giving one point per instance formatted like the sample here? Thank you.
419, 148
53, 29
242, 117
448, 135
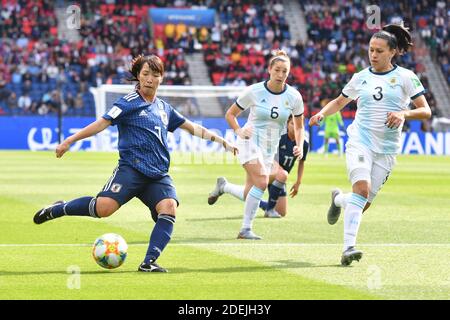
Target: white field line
242, 244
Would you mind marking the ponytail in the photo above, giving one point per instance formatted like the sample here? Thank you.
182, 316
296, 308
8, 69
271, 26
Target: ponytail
279, 55
404, 40
397, 37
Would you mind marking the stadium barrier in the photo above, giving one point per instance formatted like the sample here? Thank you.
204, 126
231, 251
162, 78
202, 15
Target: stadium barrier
40, 133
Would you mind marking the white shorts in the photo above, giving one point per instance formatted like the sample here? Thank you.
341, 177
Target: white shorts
250, 152
364, 164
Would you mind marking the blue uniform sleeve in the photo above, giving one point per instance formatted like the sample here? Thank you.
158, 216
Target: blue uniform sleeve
175, 120
116, 113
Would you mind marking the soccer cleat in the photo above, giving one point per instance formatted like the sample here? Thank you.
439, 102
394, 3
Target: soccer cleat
272, 214
248, 235
151, 267
218, 190
45, 214
349, 255
334, 211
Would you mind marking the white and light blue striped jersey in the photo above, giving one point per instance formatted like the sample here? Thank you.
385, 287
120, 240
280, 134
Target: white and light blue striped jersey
143, 128
269, 112
377, 94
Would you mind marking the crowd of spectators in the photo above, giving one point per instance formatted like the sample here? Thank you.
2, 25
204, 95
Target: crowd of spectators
432, 19
42, 72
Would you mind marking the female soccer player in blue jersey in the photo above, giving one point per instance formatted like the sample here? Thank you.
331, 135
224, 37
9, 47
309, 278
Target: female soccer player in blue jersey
270, 104
143, 122
383, 93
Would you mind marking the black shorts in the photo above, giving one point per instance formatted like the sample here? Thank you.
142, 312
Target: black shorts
127, 183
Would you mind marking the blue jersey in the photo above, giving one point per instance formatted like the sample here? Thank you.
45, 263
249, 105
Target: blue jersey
143, 128
285, 156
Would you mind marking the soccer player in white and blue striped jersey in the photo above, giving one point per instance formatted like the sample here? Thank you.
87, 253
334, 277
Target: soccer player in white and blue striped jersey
383, 93
143, 121
270, 103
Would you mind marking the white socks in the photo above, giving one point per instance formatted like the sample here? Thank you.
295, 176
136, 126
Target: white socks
235, 190
251, 206
352, 219
341, 199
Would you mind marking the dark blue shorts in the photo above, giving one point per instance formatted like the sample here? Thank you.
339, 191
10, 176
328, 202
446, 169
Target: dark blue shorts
127, 183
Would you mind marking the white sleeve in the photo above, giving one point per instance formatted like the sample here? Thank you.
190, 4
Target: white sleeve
298, 106
412, 85
350, 89
245, 100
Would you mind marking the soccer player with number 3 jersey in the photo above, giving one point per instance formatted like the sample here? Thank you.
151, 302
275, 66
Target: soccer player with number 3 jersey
383, 93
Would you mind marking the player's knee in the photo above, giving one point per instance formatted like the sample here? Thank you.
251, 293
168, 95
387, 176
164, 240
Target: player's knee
282, 175
261, 183
362, 187
167, 206
106, 207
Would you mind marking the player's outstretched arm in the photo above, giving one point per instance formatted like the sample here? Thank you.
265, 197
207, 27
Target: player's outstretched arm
330, 108
298, 182
88, 131
299, 129
200, 131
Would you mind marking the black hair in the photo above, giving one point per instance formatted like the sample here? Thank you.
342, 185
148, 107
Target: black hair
154, 62
397, 37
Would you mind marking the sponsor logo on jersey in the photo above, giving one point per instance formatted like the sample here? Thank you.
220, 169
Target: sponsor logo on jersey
364, 82
143, 113
283, 146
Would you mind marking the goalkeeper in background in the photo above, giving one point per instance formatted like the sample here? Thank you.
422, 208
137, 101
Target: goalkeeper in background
331, 124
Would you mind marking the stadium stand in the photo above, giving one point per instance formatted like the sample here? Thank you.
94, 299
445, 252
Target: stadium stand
40, 72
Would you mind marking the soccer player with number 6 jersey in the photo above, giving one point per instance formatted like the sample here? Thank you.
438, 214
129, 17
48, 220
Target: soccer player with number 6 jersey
383, 93
270, 103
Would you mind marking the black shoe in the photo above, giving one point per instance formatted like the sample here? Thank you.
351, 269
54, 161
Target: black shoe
45, 214
349, 255
334, 211
151, 267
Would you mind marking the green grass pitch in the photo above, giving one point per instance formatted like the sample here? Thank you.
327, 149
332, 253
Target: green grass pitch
404, 236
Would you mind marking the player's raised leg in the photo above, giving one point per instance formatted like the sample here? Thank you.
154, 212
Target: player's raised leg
223, 186
100, 207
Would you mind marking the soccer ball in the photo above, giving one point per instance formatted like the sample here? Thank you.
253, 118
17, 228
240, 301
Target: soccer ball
110, 251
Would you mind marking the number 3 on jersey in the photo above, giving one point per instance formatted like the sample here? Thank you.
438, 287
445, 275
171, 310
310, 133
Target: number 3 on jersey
379, 95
